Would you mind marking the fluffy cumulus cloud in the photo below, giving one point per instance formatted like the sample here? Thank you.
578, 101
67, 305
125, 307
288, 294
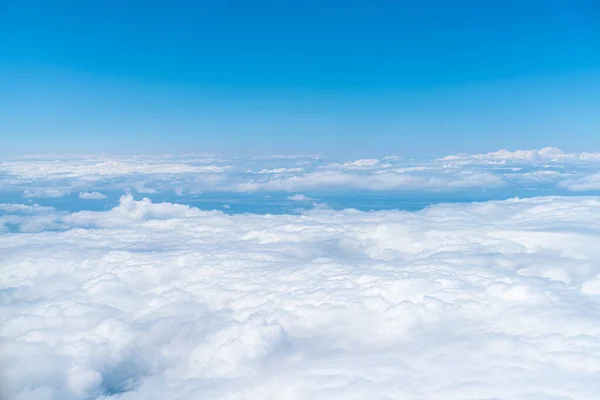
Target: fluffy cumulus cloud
494, 300
558, 171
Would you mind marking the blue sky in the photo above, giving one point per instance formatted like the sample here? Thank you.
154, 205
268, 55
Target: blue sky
352, 78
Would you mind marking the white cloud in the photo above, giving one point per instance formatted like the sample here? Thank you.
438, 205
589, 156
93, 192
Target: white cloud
543, 155
363, 163
280, 170
520, 169
45, 193
23, 208
299, 197
165, 301
92, 196
103, 167
585, 183
384, 180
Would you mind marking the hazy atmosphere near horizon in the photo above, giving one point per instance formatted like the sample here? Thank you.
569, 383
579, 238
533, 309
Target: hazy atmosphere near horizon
300, 200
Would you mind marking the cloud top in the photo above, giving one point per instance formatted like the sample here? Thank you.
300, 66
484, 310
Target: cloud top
160, 300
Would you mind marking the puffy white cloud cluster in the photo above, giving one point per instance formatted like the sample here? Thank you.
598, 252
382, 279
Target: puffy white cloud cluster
523, 169
495, 300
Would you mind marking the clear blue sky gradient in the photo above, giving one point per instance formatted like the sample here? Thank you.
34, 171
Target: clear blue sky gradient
343, 78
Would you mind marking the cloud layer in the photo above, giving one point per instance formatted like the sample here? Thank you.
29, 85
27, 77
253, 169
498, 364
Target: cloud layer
495, 300
555, 171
